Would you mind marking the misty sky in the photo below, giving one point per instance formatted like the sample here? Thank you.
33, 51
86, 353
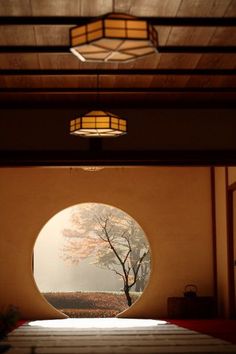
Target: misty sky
53, 274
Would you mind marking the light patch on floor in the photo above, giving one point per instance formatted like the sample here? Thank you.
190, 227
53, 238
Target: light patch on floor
111, 335
110, 323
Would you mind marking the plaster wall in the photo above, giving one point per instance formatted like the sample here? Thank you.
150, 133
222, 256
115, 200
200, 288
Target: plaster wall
172, 205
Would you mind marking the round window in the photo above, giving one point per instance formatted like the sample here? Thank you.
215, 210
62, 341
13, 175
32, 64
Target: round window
91, 260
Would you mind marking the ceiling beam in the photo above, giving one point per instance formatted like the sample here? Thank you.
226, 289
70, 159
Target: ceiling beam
118, 158
70, 90
115, 72
116, 100
161, 49
156, 21
190, 49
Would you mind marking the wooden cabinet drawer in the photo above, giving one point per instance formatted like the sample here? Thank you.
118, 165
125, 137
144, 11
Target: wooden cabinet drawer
191, 307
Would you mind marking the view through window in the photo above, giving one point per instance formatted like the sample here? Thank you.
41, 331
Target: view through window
91, 260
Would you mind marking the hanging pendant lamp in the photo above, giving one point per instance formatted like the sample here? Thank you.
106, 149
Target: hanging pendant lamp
115, 37
98, 124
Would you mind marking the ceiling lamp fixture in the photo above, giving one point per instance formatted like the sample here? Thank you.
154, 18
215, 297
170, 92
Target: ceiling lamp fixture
98, 124
114, 37
92, 168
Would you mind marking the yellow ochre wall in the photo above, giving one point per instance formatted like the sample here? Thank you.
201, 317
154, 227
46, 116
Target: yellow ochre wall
172, 205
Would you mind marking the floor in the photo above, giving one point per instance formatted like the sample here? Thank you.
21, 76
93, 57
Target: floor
219, 328
111, 335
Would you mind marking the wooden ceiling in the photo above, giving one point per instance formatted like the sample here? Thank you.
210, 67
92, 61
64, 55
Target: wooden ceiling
196, 62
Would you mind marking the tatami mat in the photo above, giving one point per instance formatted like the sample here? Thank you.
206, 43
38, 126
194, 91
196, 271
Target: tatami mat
111, 335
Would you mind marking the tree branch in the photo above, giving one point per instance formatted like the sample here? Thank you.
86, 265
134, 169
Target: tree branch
137, 269
127, 255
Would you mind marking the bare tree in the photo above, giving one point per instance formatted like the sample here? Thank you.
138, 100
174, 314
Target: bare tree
115, 239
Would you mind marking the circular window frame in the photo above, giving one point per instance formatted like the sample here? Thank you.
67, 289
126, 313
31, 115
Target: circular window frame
131, 311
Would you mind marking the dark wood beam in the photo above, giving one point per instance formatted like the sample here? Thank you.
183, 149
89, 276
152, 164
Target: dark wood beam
134, 102
214, 234
230, 246
115, 72
69, 90
161, 49
196, 49
156, 21
34, 49
120, 158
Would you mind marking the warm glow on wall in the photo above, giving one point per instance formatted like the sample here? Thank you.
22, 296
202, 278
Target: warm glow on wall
114, 37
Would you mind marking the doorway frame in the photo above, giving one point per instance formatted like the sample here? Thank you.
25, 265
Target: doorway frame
230, 250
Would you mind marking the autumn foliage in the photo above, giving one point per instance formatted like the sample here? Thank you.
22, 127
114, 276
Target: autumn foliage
89, 304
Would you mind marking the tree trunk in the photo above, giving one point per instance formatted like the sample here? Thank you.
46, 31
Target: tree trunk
138, 285
142, 284
129, 300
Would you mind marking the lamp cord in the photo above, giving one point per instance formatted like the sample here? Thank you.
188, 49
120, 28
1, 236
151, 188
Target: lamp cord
113, 6
95, 144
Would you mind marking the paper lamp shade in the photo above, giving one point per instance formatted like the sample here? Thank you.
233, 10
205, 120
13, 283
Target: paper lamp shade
114, 38
98, 124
